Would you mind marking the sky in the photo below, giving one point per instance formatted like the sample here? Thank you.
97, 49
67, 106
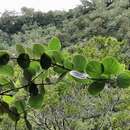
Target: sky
42, 5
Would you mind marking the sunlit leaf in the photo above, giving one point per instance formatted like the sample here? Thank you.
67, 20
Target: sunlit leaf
54, 44
8, 99
6, 70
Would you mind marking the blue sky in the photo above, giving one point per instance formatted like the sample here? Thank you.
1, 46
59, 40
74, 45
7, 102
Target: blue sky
43, 5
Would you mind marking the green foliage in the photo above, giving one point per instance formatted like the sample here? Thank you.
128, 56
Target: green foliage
54, 78
94, 68
6, 70
54, 44
96, 87
123, 80
79, 63
111, 66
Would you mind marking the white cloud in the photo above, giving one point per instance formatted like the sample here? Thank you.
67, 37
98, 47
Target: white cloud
43, 5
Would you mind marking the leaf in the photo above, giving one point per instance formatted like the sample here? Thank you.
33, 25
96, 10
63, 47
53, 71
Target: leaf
6, 70
79, 63
123, 80
23, 60
20, 49
38, 50
94, 68
68, 64
8, 99
36, 101
45, 61
96, 87
3, 81
54, 44
4, 58
57, 57
31, 71
111, 66
19, 104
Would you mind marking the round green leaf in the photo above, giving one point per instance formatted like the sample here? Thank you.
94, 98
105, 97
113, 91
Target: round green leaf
94, 68
6, 70
38, 50
111, 66
54, 44
36, 101
123, 80
96, 87
79, 63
